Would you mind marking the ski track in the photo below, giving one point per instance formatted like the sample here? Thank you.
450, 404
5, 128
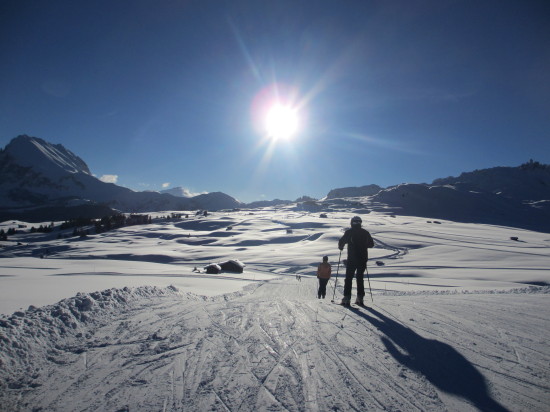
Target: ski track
277, 348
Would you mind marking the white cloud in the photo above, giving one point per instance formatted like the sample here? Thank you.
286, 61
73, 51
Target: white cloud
183, 191
109, 178
188, 193
165, 185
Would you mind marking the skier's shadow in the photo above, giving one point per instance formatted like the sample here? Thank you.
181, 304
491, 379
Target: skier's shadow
439, 362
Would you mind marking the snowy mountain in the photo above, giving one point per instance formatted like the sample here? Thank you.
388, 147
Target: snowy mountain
267, 203
209, 201
509, 196
367, 190
529, 182
216, 201
42, 181
48, 182
178, 192
455, 203
44, 157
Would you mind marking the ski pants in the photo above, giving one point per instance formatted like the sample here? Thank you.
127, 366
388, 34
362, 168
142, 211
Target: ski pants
322, 287
351, 269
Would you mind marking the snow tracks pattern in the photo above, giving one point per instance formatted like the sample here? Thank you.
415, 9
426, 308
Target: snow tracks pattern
275, 348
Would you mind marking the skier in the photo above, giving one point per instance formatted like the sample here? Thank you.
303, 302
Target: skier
323, 274
358, 241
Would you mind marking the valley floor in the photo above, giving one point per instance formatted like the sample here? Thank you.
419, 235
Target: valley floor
276, 347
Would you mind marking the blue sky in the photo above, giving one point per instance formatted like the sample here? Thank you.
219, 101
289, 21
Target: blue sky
168, 92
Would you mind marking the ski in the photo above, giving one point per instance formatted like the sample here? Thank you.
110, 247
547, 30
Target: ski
351, 305
339, 303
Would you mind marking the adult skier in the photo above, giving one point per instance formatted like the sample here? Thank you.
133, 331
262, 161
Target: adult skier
358, 241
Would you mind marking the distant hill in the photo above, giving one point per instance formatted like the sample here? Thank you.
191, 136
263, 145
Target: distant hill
508, 196
216, 201
178, 192
368, 190
267, 203
530, 181
44, 181
40, 181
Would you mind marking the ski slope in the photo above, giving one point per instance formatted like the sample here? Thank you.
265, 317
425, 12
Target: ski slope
457, 320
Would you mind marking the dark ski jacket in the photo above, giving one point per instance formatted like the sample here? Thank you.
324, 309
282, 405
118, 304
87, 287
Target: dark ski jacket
358, 241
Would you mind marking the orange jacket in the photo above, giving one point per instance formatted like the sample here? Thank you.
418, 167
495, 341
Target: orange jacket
324, 270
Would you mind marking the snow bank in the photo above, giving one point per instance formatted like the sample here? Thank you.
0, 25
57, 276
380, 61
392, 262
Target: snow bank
29, 338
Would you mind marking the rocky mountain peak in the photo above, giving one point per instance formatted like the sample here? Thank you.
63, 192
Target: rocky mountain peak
43, 156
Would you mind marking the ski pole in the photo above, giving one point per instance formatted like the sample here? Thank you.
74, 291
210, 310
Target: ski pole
336, 281
370, 290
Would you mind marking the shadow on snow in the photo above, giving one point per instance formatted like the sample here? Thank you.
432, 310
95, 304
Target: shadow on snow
438, 362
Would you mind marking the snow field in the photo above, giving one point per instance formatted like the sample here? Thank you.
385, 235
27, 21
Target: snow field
455, 324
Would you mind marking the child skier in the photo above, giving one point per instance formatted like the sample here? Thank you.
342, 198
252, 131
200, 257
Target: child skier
323, 274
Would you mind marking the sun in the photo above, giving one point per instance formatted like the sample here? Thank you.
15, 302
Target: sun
281, 122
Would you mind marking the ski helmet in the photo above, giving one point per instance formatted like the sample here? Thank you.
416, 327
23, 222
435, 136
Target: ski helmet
356, 221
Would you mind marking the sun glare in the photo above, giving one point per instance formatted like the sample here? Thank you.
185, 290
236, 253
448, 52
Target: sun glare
281, 122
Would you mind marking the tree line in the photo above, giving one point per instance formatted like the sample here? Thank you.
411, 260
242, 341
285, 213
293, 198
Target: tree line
82, 226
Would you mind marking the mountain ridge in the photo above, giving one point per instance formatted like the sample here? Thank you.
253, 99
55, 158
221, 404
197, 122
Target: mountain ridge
40, 155
529, 181
506, 196
36, 175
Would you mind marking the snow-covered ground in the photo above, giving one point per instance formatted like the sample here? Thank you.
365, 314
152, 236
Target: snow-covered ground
459, 317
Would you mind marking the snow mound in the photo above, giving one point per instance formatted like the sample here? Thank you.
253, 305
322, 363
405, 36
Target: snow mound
42, 334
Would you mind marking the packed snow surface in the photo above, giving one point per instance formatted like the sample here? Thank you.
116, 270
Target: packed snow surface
127, 320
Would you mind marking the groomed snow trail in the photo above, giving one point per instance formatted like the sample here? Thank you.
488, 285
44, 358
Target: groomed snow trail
276, 347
